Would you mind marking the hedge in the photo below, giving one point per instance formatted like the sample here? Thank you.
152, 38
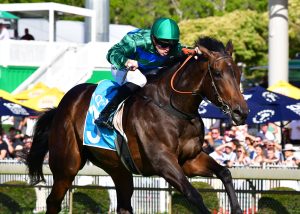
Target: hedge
90, 201
180, 205
279, 203
17, 200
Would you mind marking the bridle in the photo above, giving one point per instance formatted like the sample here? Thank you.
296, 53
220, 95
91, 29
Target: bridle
224, 106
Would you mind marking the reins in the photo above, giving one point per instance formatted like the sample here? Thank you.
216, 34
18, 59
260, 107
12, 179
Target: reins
176, 72
224, 106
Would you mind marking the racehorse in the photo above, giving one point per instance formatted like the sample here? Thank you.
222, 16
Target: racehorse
164, 132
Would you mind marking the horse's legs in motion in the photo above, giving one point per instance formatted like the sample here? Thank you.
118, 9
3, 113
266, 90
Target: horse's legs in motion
204, 165
173, 173
64, 165
124, 187
60, 187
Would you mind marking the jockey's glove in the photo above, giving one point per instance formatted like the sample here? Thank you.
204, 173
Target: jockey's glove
188, 51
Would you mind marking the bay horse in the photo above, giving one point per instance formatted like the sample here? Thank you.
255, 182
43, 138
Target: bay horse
165, 134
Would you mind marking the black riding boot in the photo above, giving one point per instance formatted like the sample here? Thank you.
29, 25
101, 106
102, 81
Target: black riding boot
123, 92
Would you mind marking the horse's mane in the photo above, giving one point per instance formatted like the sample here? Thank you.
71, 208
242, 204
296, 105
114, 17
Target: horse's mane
211, 44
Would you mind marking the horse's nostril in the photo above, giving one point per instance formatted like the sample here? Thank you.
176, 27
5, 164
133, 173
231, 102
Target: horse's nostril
237, 110
240, 112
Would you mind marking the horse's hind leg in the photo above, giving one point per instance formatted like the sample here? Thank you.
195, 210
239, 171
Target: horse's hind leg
59, 189
65, 161
204, 165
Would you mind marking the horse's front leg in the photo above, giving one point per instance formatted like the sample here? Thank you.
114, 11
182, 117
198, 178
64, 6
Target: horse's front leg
123, 181
166, 165
204, 165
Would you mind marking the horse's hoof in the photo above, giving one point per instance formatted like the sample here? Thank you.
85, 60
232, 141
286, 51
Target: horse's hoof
124, 211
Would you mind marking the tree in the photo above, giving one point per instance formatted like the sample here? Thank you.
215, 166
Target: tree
148, 11
138, 12
246, 29
258, 5
294, 27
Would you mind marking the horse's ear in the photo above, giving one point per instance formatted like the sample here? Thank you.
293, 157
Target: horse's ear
229, 48
205, 52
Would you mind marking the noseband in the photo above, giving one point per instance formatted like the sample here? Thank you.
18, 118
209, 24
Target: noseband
224, 106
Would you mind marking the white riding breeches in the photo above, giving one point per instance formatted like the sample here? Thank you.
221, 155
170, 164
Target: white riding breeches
135, 77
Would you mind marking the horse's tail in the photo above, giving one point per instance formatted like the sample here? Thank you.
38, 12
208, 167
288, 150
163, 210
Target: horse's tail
39, 148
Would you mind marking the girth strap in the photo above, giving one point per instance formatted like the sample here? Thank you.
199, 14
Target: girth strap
125, 155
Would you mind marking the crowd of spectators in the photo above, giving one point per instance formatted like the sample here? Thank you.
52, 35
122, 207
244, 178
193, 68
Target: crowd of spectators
15, 142
236, 147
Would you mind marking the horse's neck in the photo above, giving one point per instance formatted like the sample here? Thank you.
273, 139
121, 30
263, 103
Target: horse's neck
157, 86
187, 79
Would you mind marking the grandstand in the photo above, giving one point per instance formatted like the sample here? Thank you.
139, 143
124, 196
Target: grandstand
58, 57
61, 65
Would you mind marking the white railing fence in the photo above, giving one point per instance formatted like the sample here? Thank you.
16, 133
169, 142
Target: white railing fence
153, 194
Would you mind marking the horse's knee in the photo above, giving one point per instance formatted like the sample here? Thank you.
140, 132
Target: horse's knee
225, 175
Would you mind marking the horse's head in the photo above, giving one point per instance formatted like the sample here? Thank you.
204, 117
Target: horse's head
221, 84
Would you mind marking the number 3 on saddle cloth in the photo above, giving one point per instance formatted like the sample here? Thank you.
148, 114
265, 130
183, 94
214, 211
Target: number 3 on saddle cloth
104, 138
92, 136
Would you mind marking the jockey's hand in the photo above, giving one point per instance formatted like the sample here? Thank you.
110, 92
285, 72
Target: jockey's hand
197, 50
131, 64
188, 51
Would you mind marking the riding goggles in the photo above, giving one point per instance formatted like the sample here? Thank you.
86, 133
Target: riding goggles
165, 43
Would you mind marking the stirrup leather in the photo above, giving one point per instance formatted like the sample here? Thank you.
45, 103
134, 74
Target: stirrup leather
104, 121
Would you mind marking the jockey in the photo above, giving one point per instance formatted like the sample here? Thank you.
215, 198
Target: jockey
140, 51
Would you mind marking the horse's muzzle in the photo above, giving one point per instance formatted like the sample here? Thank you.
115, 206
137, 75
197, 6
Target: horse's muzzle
239, 115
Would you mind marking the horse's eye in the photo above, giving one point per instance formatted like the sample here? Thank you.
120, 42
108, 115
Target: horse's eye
217, 73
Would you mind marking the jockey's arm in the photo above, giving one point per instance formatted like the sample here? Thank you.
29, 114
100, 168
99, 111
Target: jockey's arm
119, 54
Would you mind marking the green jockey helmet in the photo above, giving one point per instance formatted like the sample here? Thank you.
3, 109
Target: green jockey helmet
165, 29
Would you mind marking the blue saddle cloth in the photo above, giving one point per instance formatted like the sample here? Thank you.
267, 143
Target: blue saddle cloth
92, 136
